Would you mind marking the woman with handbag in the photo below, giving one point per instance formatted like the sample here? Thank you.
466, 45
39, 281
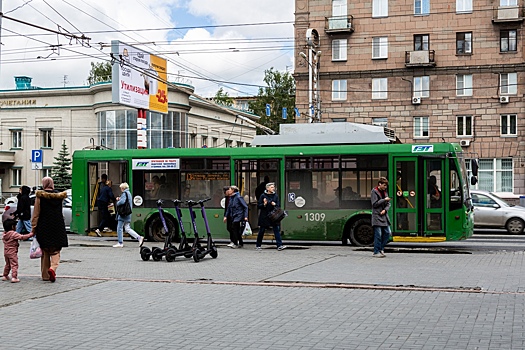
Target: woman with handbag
267, 203
124, 217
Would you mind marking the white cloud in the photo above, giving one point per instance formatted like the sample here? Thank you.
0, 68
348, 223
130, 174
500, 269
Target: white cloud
229, 53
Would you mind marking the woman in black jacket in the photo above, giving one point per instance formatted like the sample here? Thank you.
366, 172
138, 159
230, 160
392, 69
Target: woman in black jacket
49, 227
269, 201
23, 210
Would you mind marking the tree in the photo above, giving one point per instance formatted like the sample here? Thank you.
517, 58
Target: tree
61, 170
222, 98
279, 93
99, 73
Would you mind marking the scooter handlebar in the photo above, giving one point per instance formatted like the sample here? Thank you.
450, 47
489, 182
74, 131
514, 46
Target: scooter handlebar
160, 202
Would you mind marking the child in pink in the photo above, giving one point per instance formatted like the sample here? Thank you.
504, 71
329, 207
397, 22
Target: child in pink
10, 239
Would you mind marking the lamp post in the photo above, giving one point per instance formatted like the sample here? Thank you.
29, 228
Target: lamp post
314, 98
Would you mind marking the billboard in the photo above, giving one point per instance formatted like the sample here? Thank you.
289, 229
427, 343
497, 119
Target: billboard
139, 78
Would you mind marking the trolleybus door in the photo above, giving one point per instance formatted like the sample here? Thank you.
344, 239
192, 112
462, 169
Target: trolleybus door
434, 212
405, 197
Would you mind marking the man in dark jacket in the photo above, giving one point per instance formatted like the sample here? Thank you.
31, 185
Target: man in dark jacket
380, 221
23, 210
105, 196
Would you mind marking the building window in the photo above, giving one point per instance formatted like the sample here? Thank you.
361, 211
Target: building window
16, 177
504, 3
380, 47
193, 140
16, 137
508, 40
214, 142
508, 125
380, 122
228, 143
240, 144
422, 86
463, 5
464, 125
421, 42
421, 7
338, 90
464, 43
46, 172
494, 174
379, 8
47, 140
379, 88
339, 49
420, 126
509, 83
204, 141
464, 85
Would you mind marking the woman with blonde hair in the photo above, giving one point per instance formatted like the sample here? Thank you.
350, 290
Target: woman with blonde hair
124, 222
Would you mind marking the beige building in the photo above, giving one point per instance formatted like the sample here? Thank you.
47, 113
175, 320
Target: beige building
432, 70
84, 117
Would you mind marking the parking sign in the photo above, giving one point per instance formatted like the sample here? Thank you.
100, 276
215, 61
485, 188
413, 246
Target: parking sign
36, 156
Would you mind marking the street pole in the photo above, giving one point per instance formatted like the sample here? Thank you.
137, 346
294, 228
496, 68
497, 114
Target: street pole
1, 40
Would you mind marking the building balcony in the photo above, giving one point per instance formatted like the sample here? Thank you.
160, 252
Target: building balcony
420, 58
506, 14
339, 25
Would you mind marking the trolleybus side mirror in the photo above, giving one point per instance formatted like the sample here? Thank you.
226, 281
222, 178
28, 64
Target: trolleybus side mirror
474, 166
473, 180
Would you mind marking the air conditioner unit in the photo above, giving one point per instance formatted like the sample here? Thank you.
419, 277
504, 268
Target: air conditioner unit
464, 143
416, 100
504, 99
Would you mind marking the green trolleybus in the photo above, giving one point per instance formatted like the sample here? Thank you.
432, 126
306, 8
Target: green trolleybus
324, 188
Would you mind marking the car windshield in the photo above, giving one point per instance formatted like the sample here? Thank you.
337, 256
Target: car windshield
502, 200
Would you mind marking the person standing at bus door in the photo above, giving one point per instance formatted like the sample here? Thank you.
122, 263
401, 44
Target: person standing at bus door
124, 222
238, 211
23, 210
259, 190
105, 195
49, 227
269, 201
433, 191
380, 221
228, 219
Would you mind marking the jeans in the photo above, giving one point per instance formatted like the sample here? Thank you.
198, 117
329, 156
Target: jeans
276, 232
125, 226
381, 238
23, 224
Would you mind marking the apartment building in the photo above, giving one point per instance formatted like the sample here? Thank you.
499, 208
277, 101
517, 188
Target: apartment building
432, 70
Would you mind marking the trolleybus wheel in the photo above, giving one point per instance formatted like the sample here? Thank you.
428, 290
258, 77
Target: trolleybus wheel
214, 253
196, 255
362, 234
156, 230
515, 226
145, 253
171, 254
157, 254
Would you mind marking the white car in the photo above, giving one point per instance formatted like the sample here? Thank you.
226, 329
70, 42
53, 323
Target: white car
490, 211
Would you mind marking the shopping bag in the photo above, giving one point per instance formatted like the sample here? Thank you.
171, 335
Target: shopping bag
247, 230
35, 252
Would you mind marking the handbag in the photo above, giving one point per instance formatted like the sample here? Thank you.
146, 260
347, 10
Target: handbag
35, 251
276, 215
124, 209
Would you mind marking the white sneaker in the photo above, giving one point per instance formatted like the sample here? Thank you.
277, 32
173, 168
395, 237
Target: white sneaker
281, 247
378, 255
231, 245
141, 241
107, 229
118, 245
382, 253
258, 249
97, 231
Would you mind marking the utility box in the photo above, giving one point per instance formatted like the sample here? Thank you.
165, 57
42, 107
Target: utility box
522, 201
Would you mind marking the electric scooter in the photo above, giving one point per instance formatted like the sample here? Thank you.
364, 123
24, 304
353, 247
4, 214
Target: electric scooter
199, 251
184, 248
156, 252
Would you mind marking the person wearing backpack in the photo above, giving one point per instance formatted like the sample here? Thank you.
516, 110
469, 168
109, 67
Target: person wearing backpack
123, 218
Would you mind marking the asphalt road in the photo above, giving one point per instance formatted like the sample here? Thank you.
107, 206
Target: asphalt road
453, 295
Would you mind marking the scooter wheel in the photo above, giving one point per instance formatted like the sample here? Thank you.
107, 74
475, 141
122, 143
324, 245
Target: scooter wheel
157, 254
214, 253
171, 254
196, 255
145, 253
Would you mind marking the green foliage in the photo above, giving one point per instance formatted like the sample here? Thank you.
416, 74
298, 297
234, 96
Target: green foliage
222, 98
279, 93
99, 72
61, 170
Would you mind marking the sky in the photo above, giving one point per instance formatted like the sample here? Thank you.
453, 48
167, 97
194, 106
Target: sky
209, 44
